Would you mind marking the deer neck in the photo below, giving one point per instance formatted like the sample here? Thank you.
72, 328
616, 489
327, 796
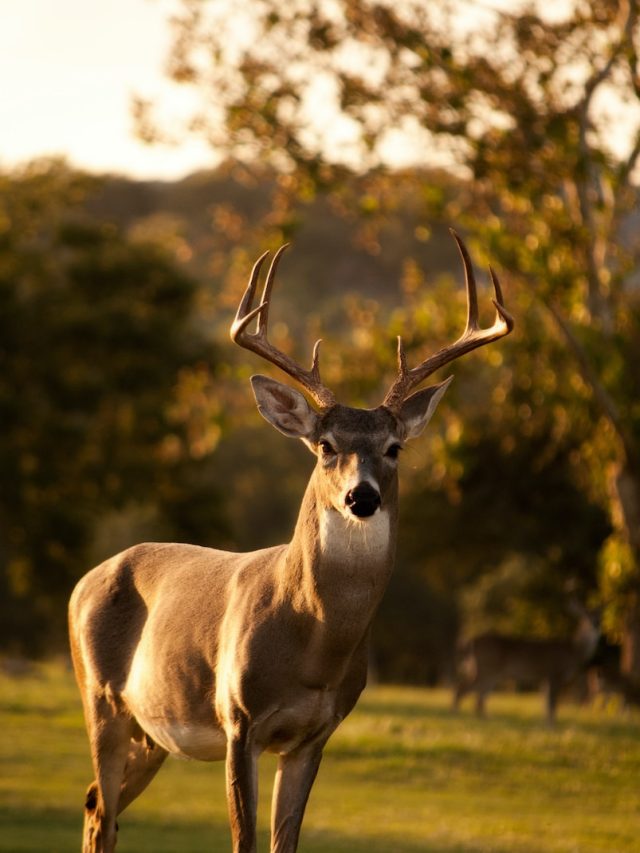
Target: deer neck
586, 638
337, 567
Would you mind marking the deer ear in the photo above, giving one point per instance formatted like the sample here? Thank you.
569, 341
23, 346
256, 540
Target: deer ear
416, 411
285, 408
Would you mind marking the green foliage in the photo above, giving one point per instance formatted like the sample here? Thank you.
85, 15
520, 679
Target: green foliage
617, 579
498, 475
522, 104
402, 773
497, 547
515, 597
96, 338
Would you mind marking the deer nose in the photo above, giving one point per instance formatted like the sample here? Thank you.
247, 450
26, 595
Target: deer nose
363, 500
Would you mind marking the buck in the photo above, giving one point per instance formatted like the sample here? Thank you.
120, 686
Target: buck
490, 659
214, 655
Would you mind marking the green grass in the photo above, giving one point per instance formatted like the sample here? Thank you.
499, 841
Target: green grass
402, 775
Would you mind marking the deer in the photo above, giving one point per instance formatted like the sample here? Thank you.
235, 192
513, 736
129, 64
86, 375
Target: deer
215, 655
491, 658
606, 678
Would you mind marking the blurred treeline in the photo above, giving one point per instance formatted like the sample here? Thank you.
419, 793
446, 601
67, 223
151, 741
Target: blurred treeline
126, 412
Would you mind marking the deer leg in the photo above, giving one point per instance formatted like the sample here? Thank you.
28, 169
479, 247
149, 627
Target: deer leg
552, 693
143, 762
481, 696
242, 789
110, 735
294, 778
460, 691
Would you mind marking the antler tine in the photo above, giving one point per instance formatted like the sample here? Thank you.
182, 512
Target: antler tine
244, 314
469, 283
315, 360
500, 309
258, 341
263, 316
472, 337
402, 361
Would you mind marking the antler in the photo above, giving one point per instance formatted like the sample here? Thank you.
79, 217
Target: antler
472, 337
257, 342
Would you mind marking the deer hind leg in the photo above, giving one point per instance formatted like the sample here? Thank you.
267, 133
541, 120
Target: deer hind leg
110, 733
552, 692
481, 696
461, 689
482, 688
143, 762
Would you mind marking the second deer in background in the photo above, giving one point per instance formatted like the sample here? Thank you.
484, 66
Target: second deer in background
491, 658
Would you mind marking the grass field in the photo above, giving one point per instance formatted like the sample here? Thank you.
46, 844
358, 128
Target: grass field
402, 775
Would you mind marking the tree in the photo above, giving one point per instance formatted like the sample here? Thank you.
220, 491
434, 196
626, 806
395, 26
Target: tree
98, 355
522, 105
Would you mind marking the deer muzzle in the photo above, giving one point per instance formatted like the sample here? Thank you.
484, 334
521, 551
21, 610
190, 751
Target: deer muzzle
363, 500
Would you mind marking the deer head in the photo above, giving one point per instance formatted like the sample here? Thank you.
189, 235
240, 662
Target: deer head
357, 449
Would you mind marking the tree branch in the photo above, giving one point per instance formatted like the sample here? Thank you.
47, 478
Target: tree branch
630, 164
632, 60
595, 298
600, 393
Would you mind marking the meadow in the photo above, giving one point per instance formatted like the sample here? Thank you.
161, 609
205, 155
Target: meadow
403, 774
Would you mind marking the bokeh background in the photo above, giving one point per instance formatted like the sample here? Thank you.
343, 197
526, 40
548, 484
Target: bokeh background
150, 150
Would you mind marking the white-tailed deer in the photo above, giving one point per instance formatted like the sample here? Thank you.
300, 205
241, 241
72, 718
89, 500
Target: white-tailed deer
491, 659
213, 655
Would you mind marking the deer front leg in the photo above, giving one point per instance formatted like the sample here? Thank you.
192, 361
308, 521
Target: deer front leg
242, 788
294, 778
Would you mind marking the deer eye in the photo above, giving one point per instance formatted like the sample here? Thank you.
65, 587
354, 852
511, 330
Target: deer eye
326, 448
393, 450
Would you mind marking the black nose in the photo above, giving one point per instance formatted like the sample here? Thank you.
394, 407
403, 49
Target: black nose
363, 501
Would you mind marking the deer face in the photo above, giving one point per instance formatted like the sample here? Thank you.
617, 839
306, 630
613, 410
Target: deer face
357, 452
357, 449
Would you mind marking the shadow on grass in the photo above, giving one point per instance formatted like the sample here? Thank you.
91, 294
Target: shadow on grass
59, 831
419, 705
329, 842
398, 754
36, 830
413, 706
28, 830
374, 703
424, 709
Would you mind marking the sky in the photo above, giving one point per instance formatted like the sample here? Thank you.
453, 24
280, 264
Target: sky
68, 72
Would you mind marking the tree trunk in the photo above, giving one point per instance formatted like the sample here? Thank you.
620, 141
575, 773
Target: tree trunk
627, 494
630, 658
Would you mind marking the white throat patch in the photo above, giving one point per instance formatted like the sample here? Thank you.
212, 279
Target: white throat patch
344, 538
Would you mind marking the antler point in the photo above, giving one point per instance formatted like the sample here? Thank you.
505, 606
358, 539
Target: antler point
402, 356
258, 342
504, 314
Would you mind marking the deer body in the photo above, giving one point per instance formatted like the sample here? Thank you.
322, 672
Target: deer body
271, 609
215, 655
491, 658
